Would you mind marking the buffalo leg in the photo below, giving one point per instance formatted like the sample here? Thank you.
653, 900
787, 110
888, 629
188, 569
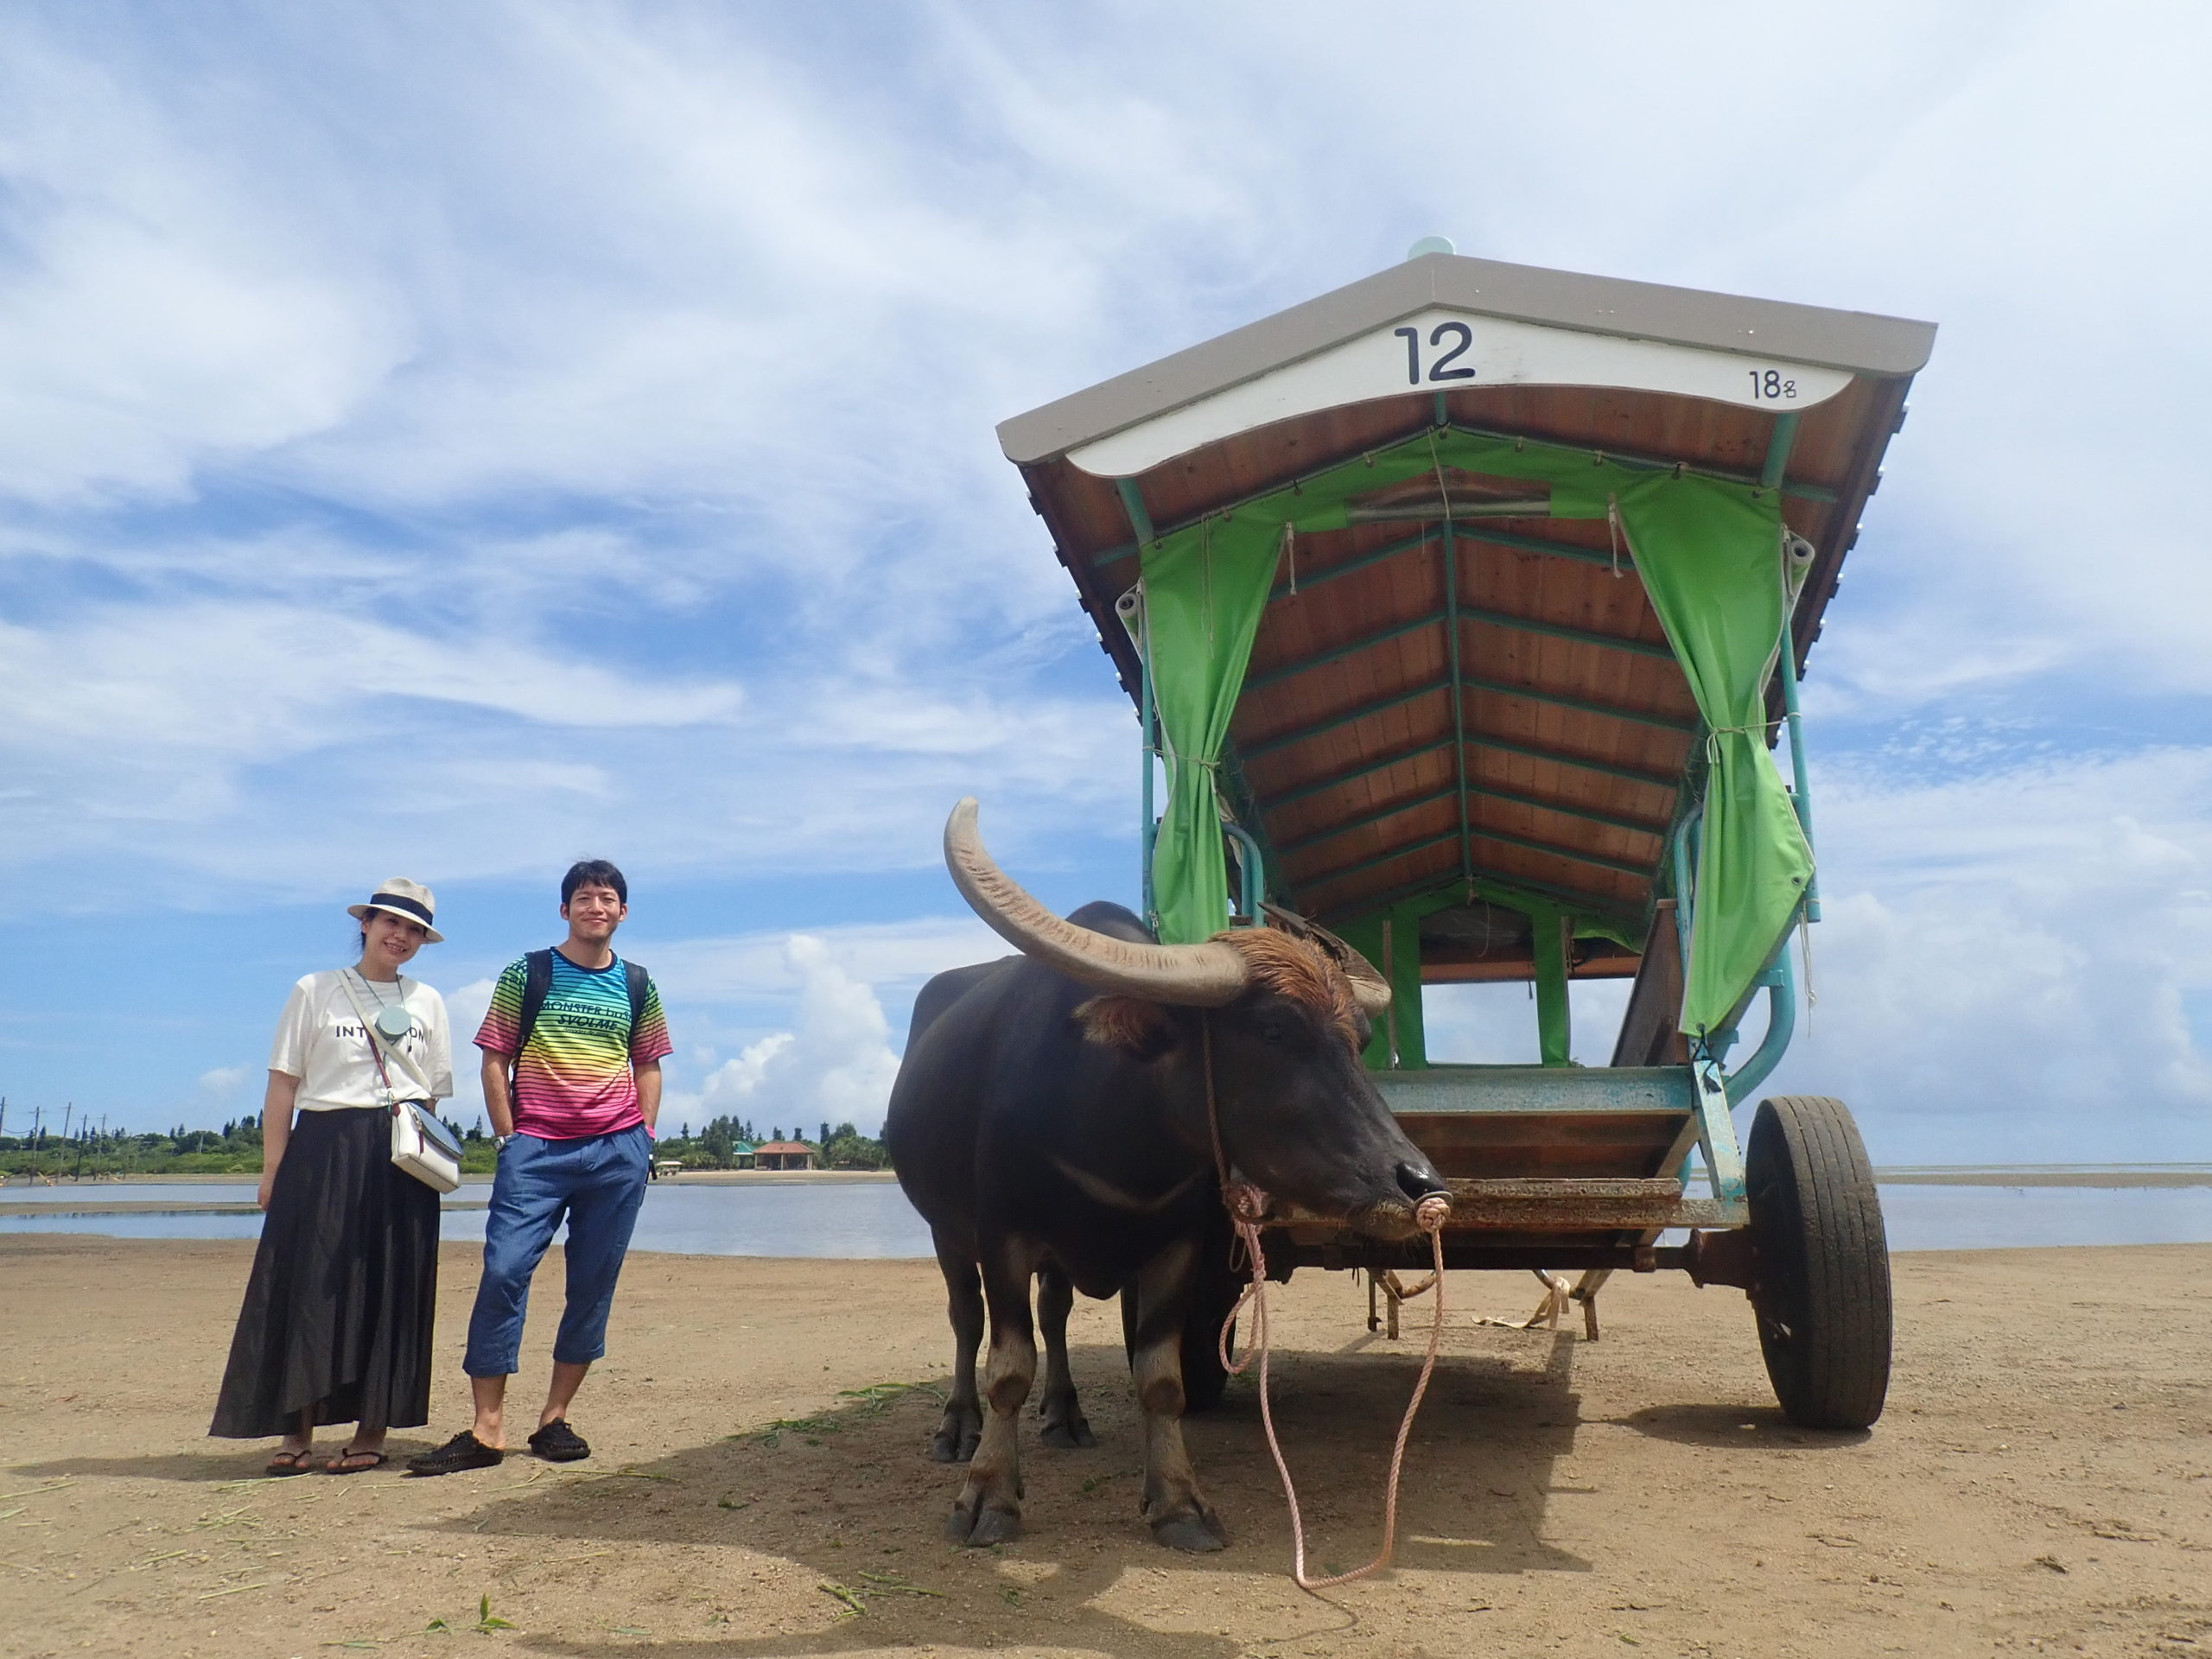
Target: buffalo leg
962, 1423
1064, 1425
988, 1508
1173, 1506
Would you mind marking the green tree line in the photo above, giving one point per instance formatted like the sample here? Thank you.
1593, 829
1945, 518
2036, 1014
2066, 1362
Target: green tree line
82, 1153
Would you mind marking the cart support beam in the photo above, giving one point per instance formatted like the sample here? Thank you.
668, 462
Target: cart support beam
1459, 701
1526, 843
1487, 791
1498, 888
1482, 741
1554, 1012
1716, 1130
1659, 652
1471, 682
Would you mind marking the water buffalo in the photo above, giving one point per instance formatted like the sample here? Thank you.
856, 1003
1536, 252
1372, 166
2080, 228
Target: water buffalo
1050, 1120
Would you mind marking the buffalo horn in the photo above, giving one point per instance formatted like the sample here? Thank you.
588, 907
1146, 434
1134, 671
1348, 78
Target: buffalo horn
1209, 975
1368, 988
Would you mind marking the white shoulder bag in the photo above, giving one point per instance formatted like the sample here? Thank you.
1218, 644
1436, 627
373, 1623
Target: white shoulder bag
421, 1145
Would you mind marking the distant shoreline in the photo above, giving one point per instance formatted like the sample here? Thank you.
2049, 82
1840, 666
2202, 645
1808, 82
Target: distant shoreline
2101, 1175
689, 1178
110, 1197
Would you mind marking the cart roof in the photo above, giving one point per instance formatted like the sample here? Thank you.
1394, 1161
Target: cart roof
1576, 721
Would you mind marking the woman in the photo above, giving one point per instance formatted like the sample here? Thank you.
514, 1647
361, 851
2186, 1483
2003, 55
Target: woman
336, 1325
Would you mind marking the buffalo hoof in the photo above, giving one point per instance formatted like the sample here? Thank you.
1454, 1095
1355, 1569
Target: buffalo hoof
978, 1525
951, 1446
1196, 1535
955, 1439
1069, 1433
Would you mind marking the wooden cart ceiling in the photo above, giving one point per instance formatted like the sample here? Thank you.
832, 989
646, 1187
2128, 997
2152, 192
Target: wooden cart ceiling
1578, 724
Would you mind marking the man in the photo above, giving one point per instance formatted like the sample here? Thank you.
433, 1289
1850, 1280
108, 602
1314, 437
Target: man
572, 1047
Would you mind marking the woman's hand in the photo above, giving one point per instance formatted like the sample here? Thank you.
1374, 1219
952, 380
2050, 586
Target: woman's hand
275, 1130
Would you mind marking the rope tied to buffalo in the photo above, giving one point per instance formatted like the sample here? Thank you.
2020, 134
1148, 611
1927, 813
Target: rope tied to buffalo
1247, 1205
1247, 1208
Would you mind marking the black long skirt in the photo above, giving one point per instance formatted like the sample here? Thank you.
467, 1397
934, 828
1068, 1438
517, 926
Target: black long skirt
337, 1315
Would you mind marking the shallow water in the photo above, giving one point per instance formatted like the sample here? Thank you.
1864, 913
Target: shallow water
874, 1219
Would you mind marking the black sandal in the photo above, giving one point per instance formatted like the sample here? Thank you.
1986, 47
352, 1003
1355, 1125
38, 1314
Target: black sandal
337, 1465
464, 1451
557, 1443
290, 1463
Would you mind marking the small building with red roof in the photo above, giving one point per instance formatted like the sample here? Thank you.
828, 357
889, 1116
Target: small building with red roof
782, 1154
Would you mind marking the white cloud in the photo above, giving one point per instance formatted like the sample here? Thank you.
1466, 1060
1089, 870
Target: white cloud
835, 1066
2005, 960
451, 438
752, 966
219, 1084
157, 313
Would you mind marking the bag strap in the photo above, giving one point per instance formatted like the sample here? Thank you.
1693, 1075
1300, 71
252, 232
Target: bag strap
377, 1047
536, 985
637, 982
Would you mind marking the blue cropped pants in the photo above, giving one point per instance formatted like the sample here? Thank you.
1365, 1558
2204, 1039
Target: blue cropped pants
597, 1182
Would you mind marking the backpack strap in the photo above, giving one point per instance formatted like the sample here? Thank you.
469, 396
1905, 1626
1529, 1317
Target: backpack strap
536, 985
637, 982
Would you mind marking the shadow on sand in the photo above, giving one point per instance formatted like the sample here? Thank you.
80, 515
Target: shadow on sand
223, 1460
849, 1497
1757, 1428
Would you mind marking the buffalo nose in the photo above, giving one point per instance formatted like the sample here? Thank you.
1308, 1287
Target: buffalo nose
1418, 1180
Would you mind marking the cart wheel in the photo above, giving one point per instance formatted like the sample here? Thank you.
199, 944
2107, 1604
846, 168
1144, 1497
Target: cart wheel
1823, 1295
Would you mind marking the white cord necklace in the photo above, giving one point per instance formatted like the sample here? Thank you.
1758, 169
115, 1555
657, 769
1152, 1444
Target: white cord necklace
393, 1018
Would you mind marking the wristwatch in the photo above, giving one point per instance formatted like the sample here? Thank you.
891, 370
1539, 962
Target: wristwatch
499, 1142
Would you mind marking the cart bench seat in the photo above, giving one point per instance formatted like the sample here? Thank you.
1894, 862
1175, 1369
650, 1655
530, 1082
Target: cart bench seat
1520, 1123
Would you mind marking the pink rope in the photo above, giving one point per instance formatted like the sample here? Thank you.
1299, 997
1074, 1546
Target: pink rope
1247, 1204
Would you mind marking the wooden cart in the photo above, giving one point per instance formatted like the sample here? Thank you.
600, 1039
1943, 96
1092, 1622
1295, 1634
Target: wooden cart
1461, 608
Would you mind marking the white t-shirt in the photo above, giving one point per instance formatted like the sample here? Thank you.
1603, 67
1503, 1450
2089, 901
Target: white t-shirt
321, 1041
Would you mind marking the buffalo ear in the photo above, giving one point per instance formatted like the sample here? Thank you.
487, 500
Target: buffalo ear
1137, 1027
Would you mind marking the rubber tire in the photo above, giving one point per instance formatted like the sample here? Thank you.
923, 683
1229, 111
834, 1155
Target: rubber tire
1825, 1316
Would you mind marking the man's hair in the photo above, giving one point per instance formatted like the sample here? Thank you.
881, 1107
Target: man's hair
595, 871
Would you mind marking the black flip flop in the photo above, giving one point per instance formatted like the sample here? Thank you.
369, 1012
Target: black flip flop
290, 1463
335, 1467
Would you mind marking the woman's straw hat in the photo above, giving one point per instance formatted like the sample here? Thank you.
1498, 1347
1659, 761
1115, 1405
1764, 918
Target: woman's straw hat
409, 901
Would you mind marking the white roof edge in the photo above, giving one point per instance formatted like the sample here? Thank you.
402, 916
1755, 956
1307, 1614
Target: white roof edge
1857, 341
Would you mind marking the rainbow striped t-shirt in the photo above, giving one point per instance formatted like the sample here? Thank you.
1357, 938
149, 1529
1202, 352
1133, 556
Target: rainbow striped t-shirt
575, 1078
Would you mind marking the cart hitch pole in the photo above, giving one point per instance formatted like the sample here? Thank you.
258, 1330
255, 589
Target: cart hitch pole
1716, 1129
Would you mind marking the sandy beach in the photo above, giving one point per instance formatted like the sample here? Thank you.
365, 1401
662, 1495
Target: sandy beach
2042, 1480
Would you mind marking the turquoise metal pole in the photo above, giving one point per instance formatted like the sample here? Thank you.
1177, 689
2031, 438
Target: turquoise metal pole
1254, 883
1781, 982
1685, 897
1802, 793
1150, 829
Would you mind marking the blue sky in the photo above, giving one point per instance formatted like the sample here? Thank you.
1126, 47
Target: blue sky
450, 439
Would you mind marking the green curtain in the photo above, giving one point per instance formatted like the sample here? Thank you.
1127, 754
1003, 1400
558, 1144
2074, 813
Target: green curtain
1709, 553
1203, 596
